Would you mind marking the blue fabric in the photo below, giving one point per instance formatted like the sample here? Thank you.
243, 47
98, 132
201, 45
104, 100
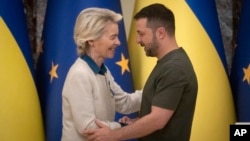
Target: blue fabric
240, 72
12, 12
94, 66
206, 13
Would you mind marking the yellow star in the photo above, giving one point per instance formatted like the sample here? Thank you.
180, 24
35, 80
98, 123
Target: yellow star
123, 63
52, 72
247, 74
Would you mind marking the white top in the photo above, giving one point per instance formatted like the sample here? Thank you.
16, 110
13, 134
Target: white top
88, 96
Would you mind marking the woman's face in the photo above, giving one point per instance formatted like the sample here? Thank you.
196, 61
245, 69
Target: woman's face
105, 46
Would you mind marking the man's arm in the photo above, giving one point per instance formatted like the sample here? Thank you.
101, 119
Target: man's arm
156, 120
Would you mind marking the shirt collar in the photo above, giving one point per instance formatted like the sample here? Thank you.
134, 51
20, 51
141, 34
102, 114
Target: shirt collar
102, 70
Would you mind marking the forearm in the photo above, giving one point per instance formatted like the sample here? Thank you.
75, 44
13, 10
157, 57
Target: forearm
112, 125
139, 128
145, 125
128, 103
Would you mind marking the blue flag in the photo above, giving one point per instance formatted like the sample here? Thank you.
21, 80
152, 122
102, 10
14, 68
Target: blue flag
59, 52
240, 72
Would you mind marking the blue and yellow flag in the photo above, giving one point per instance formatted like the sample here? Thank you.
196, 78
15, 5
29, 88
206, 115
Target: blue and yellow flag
58, 53
12, 11
240, 72
212, 28
20, 113
214, 108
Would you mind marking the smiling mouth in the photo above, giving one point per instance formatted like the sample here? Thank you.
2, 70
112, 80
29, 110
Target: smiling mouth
112, 49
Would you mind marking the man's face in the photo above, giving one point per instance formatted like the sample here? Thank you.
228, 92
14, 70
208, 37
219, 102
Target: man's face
146, 37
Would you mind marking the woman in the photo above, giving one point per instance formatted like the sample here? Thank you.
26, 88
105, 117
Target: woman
90, 91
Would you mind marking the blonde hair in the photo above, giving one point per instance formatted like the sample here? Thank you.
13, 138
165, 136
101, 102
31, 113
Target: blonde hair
90, 25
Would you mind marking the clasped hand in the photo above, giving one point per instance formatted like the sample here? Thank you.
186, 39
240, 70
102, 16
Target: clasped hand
104, 133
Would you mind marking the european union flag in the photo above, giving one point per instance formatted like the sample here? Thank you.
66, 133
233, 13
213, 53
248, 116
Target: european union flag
59, 52
240, 72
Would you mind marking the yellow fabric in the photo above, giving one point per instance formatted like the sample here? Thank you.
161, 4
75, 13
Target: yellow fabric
20, 113
215, 109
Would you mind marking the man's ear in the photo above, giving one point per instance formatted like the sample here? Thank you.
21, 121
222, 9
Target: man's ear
161, 32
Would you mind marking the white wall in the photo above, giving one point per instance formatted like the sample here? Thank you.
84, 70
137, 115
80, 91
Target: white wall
127, 11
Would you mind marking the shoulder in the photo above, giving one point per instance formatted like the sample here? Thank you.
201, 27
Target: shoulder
79, 68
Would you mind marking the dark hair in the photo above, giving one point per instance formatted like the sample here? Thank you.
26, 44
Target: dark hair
158, 15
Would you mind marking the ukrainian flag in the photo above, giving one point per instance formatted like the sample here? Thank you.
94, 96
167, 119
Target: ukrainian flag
20, 113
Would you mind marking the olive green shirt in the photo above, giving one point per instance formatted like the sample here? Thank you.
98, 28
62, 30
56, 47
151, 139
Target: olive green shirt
172, 85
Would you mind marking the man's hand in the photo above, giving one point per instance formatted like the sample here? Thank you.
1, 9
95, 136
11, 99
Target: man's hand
103, 133
126, 120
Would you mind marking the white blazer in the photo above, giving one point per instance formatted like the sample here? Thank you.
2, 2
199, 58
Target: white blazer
87, 96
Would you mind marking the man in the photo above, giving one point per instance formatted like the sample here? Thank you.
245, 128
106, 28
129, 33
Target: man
169, 95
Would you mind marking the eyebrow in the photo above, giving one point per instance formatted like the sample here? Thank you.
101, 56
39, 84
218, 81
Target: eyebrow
113, 35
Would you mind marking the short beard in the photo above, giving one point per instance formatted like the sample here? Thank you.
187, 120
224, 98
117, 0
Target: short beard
152, 49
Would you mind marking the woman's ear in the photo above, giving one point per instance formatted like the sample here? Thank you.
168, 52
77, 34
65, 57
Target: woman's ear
91, 43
